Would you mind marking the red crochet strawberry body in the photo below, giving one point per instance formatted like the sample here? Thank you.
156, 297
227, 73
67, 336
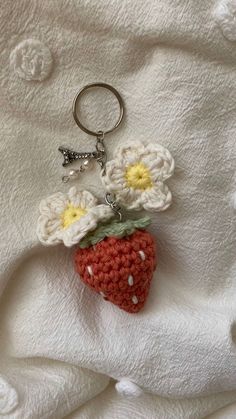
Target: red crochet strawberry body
120, 269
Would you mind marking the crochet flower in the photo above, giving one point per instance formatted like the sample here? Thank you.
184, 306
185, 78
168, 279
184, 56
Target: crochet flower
136, 176
69, 217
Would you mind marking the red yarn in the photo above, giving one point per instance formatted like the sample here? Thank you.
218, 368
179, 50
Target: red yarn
115, 268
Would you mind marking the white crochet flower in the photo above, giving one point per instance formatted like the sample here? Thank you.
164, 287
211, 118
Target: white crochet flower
69, 217
136, 176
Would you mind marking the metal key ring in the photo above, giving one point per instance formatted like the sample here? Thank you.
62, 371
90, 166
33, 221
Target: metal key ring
78, 96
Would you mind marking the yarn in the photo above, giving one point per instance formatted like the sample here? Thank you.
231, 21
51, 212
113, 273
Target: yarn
137, 174
72, 214
69, 217
108, 266
115, 228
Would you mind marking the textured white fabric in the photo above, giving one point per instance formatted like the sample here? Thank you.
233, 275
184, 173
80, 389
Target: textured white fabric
127, 388
60, 343
111, 405
31, 60
225, 15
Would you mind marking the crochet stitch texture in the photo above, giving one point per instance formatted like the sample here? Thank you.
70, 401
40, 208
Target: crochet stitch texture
137, 175
120, 269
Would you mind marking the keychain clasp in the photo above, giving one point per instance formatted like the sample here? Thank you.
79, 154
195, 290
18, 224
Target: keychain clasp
100, 154
77, 98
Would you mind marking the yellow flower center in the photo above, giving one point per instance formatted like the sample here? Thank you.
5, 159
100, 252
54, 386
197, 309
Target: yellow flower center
72, 214
138, 176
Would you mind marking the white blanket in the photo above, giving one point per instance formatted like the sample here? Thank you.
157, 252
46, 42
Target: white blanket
173, 61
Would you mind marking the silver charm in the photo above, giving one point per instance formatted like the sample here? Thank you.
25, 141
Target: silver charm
70, 156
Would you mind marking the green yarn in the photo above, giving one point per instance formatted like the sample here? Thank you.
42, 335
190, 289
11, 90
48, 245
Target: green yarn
115, 228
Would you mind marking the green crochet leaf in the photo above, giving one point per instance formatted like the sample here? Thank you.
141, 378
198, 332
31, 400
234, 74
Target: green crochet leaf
117, 229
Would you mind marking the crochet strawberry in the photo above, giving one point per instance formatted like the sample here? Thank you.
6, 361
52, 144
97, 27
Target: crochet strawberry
118, 261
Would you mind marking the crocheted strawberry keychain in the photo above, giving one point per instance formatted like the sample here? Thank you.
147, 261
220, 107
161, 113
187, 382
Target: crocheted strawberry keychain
118, 261
115, 257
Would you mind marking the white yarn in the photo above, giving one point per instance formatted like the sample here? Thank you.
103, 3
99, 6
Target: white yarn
73, 234
50, 230
225, 15
8, 397
159, 163
128, 389
31, 60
